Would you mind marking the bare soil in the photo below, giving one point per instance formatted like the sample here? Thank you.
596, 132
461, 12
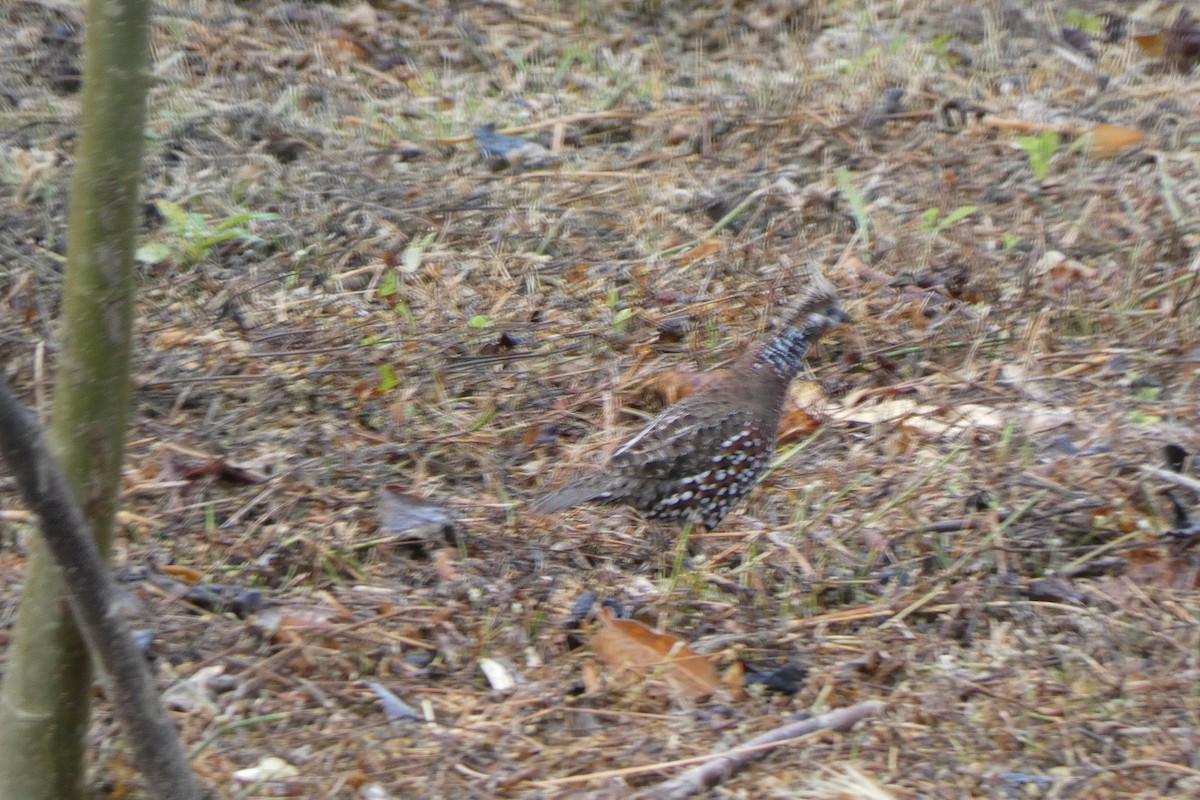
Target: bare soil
969, 535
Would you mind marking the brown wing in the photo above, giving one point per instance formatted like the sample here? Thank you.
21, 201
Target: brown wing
682, 440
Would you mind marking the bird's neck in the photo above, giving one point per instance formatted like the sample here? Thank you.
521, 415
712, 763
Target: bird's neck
783, 356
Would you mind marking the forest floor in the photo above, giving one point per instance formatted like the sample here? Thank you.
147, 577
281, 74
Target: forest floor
368, 336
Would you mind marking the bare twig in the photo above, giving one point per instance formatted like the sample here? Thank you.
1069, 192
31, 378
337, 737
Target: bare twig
724, 765
1179, 479
92, 595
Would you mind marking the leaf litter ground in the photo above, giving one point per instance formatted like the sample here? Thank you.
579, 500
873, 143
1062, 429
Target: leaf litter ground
968, 533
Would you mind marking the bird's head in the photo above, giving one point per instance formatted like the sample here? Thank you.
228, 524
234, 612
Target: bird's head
819, 309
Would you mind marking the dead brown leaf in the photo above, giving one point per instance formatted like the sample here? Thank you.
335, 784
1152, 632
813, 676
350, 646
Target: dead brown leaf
1152, 44
796, 420
183, 573
1105, 141
285, 623
673, 385
1060, 272
709, 247
632, 650
1150, 567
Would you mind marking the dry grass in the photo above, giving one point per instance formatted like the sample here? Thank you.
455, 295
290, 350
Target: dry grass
894, 557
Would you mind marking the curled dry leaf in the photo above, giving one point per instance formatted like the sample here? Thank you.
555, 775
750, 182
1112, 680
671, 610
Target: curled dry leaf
709, 247
632, 650
796, 423
796, 420
221, 469
183, 573
672, 385
1061, 272
1152, 44
417, 517
1150, 567
195, 693
284, 622
1178, 46
1105, 141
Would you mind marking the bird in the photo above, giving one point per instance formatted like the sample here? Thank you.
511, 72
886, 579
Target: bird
700, 456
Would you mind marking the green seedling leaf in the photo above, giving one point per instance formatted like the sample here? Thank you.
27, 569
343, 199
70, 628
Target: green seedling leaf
1040, 149
858, 203
962, 212
390, 284
1088, 23
172, 213
387, 378
939, 43
479, 321
191, 237
152, 253
621, 318
242, 234
404, 311
240, 219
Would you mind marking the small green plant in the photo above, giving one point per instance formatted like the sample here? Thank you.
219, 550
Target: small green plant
940, 45
390, 284
712, 334
1040, 149
935, 223
479, 321
620, 316
858, 64
387, 378
858, 203
190, 237
389, 290
571, 55
1088, 23
1147, 392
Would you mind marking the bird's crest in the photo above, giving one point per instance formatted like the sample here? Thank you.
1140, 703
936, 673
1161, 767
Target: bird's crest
818, 297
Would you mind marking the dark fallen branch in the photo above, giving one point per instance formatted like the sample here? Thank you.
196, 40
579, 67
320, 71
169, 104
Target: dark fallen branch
92, 594
725, 765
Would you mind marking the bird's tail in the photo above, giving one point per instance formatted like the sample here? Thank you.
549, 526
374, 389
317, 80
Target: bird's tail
593, 488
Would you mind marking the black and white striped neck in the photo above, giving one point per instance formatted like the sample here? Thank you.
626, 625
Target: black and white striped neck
784, 353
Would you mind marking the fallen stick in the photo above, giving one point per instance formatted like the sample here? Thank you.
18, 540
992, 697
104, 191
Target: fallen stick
1176, 478
725, 765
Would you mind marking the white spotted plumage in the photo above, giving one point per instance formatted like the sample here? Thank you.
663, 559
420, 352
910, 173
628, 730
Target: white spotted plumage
699, 457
